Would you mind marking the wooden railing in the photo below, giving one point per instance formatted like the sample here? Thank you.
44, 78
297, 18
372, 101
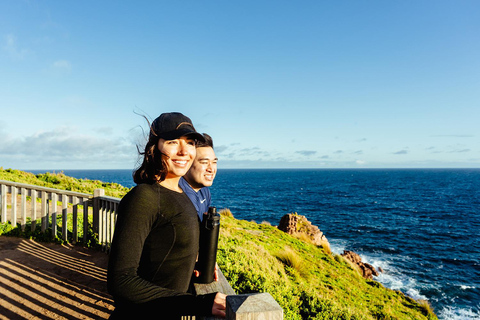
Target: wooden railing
43, 205
104, 217
21, 203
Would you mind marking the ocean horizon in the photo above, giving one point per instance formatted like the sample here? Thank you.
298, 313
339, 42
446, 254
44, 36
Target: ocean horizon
420, 226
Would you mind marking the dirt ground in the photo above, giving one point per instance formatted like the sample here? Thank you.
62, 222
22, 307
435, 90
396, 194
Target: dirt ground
50, 281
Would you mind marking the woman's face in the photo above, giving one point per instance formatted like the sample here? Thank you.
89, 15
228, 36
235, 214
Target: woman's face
178, 155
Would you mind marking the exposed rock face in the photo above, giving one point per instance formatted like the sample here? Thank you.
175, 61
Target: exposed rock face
299, 226
367, 270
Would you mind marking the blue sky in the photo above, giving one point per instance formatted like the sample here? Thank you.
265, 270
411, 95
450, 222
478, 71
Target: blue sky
316, 84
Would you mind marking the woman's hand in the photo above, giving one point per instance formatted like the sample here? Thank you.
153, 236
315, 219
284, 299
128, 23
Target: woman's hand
219, 305
196, 273
215, 274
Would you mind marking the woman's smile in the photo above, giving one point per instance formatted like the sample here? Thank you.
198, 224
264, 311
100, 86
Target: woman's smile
180, 162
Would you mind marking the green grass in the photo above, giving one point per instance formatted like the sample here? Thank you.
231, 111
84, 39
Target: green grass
292, 262
61, 181
308, 282
8, 229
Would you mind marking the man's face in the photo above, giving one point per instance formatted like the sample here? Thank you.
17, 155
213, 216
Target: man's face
203, 170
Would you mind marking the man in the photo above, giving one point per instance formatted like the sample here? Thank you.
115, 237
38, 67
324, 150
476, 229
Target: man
200, 176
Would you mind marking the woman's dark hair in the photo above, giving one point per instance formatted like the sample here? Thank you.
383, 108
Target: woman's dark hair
153, 168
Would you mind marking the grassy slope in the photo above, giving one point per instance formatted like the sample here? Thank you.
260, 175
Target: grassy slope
305, 280
61, 181
309, 283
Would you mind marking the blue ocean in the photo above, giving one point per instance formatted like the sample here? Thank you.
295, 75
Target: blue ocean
421, 226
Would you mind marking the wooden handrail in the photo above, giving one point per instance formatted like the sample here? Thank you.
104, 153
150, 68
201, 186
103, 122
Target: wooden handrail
46, 189
49, 198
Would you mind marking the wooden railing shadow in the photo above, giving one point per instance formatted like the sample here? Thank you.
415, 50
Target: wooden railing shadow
47, 281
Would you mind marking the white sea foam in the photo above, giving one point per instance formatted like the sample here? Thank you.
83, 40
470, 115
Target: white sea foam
394, 279
378, 263
337, 245
400, 282
415, 294
464, 287
391, 278
451, 313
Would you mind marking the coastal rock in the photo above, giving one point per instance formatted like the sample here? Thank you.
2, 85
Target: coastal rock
300, 227
367, 270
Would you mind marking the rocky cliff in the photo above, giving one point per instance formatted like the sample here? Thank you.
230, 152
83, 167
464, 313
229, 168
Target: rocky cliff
300, 227
366, 270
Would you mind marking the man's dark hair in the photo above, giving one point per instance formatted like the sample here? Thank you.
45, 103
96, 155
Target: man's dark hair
208, 142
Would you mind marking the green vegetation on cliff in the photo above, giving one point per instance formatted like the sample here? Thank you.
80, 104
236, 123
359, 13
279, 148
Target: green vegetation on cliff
307, 281
61, 181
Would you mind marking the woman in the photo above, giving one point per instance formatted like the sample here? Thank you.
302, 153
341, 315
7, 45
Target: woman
155, 244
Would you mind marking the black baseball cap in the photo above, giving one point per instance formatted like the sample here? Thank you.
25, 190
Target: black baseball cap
173, 125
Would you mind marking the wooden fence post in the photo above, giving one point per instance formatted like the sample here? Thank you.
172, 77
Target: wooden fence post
96, 209
23, 207
44, 214
14, 206
3, 203
34, 210
85, 220
64, 217
54, 214
260, 306
75, 219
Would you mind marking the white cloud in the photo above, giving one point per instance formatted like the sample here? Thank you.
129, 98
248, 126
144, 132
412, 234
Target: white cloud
220, 149
453, 136
460, 151
104, 131
11, 48
307, 153
62, 65
63, 148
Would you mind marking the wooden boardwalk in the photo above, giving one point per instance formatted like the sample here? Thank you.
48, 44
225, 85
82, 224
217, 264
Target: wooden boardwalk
51, 281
